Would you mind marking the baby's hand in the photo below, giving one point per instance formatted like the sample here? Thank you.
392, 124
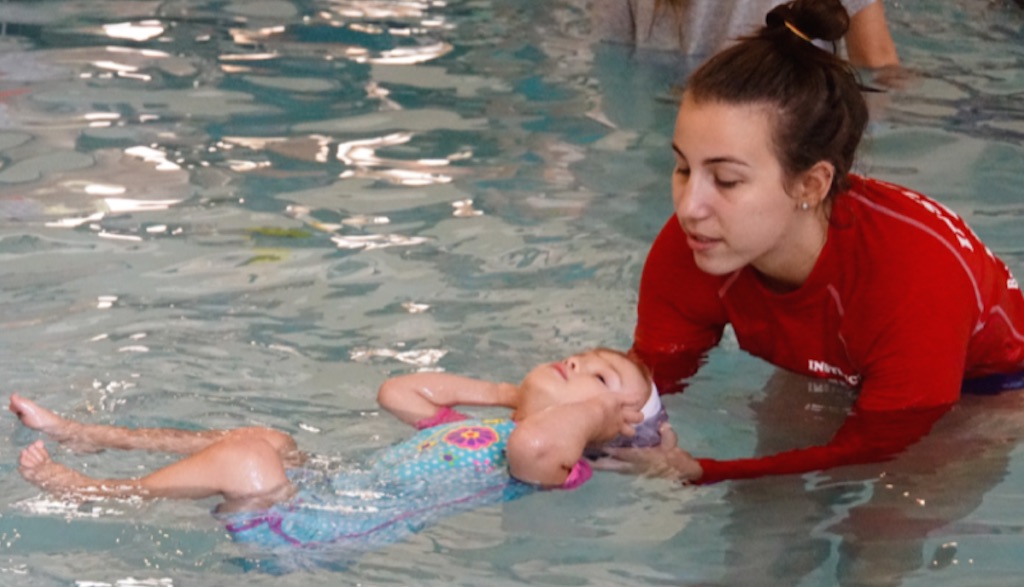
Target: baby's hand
620, 418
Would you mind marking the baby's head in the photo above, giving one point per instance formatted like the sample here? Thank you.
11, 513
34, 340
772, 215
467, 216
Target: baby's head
648, 432
598, 371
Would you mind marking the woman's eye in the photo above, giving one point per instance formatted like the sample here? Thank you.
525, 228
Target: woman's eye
726, 184
683, 171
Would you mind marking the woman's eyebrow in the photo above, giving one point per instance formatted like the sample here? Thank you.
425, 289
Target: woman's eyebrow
713, 160
732, 160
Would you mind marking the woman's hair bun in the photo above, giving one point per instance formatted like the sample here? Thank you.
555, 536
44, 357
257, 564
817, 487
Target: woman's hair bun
826, 20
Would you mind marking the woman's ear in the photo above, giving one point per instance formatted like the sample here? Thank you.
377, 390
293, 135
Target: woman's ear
814, 184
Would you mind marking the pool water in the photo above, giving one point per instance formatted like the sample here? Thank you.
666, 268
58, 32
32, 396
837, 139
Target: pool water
236, 212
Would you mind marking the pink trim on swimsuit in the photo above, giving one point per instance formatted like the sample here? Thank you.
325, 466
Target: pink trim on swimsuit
578, 475
445, 415
273, 522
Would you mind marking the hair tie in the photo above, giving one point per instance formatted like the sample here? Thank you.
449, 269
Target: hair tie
792, 28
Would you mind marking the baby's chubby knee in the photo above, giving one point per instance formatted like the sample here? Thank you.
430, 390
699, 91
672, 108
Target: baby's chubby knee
282, 442
248, 465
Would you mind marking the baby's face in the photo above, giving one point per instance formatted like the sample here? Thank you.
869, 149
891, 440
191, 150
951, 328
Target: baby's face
587, 374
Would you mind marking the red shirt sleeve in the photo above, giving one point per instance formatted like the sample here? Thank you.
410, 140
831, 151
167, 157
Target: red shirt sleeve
865, 437
680, 315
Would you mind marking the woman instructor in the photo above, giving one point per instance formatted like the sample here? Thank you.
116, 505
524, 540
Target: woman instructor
818, 271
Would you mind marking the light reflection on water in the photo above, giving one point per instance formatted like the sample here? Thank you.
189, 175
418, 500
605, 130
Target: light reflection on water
233, 213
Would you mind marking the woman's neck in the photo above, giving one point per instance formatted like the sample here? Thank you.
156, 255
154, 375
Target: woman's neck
790, 267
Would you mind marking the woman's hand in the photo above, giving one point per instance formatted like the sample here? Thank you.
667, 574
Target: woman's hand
666, 460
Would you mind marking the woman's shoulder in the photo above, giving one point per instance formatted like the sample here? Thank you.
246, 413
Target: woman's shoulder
892, 236
880, 212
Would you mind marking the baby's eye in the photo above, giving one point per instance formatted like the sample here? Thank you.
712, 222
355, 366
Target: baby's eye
601, 379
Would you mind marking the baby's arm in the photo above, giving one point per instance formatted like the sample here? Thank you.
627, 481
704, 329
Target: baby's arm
544, 447
417, 396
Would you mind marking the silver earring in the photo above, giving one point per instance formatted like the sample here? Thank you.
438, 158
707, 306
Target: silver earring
805, 206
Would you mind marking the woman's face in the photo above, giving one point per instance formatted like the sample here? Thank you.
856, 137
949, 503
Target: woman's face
728, 190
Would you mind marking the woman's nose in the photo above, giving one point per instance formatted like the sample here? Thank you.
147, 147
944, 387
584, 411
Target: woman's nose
689, 199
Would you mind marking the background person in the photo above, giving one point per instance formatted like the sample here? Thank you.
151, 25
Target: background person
703, 27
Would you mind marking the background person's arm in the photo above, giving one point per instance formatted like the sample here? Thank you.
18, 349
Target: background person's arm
868, 42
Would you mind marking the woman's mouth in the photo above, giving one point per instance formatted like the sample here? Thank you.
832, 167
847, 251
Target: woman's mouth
699, 243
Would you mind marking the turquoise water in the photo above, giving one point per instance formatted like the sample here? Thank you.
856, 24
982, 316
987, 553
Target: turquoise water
241, 212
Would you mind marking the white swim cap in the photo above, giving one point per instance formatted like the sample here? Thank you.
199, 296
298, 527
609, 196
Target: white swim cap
652, 407
648, 432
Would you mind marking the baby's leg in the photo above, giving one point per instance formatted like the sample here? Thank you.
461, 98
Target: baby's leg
86, 437
248, 473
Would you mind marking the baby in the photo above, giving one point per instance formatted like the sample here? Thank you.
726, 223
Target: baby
455, 463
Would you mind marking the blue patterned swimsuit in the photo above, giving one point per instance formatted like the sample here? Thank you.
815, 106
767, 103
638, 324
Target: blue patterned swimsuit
442, 470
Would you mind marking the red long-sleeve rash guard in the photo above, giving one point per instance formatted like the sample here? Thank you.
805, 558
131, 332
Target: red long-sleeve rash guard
904, 303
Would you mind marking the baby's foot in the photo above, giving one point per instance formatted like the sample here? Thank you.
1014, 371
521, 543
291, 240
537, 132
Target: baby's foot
38, 468
36, 417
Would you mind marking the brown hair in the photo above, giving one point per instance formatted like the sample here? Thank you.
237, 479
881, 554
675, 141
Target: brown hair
820, 114
645, 371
